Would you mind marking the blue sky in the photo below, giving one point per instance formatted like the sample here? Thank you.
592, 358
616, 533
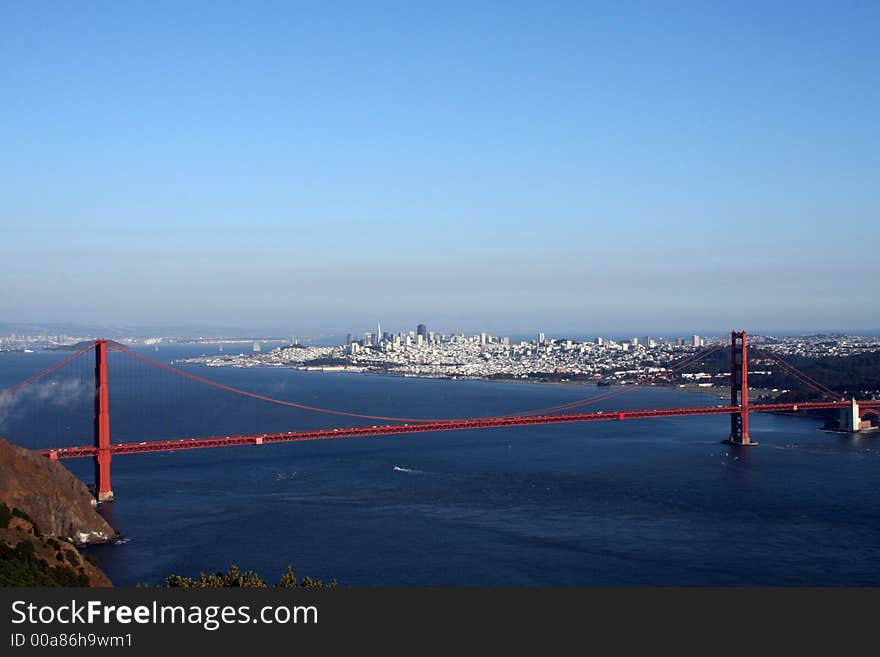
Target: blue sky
573, 167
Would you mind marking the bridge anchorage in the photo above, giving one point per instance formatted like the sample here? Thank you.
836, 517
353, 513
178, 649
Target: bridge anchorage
859, 417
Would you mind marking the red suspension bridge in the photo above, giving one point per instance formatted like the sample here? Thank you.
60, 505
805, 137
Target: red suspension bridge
102, 449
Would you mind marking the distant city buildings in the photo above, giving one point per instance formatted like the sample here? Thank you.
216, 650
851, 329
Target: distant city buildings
389, 342
481, 355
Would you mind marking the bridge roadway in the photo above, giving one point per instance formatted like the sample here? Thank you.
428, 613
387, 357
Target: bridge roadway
423, 427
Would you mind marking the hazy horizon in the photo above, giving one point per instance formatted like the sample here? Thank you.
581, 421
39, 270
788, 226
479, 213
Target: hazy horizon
280, 332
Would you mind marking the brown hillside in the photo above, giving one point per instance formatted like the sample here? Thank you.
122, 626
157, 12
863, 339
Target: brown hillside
58, 503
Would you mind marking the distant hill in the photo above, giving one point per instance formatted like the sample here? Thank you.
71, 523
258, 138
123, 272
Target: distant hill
856, 375
80, 345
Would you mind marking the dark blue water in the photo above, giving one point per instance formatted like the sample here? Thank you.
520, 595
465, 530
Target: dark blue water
621, 503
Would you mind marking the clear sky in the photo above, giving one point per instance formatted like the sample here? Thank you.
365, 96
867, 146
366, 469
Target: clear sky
510, 166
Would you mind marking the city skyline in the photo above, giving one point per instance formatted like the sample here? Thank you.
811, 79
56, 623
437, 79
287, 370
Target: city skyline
422, 337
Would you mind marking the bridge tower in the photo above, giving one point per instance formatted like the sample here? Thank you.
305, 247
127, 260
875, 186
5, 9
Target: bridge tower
739, 389
103, 491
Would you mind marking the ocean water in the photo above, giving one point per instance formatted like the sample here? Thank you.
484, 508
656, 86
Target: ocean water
647, 502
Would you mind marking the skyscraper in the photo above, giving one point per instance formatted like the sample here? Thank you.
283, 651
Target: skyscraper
422, 330
696, 341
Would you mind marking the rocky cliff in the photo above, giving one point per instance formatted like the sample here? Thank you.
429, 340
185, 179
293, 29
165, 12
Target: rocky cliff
44, 511
58, 503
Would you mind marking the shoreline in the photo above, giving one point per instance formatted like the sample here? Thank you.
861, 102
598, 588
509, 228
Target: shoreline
720, 391
717, 392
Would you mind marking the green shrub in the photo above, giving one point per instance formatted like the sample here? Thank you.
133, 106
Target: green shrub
19, 566
238, 579
5, 515
24, 516
232, 579
25, 549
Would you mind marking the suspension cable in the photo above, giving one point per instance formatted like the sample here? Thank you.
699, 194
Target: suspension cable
39, 375
681, 364
801, 376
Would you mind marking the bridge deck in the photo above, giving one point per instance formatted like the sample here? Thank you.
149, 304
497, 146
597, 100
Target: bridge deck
423, 427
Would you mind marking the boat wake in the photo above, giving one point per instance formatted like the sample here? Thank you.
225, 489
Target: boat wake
397, 468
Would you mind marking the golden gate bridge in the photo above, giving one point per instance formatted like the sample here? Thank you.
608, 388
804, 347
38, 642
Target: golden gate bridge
102, 449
